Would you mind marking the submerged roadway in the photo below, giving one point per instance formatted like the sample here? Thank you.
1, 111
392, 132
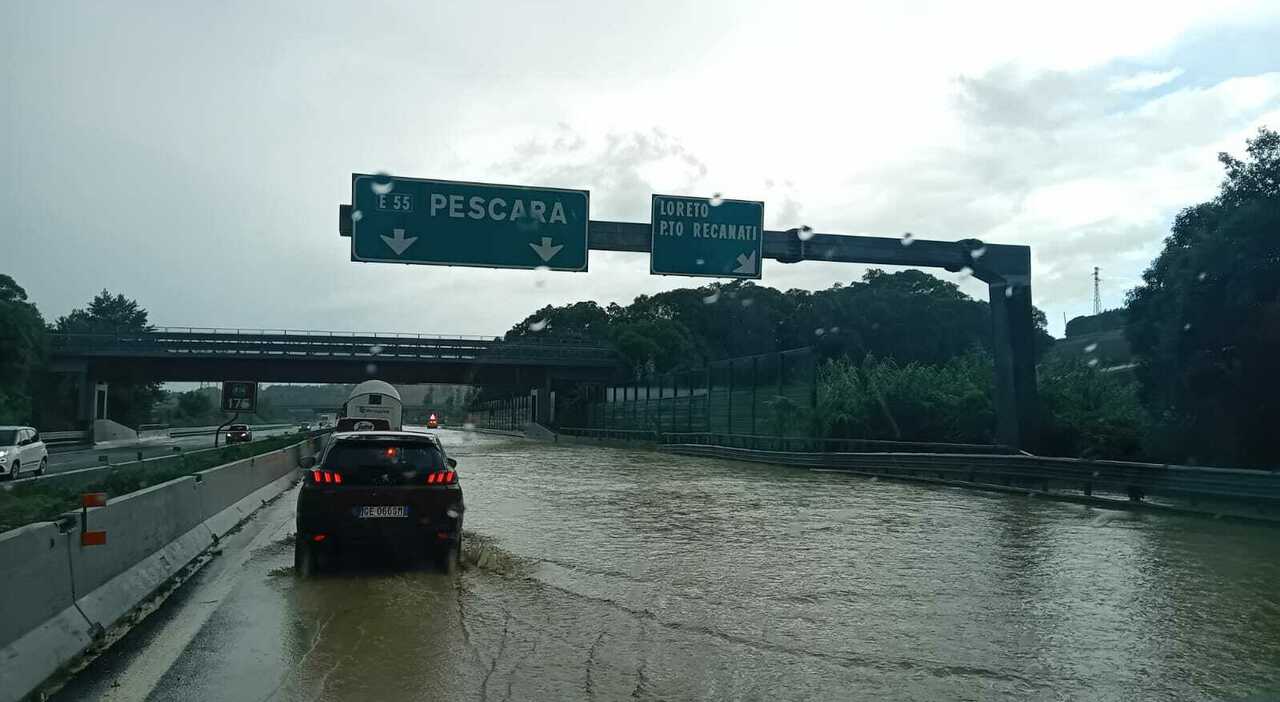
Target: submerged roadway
601, 573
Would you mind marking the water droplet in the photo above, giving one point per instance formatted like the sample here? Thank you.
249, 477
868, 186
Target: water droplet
539, 284
835, 330
1008, 291
965, 272
978, 252
819, 331
468, 426
382, 185
717, 200
371, 369
747, 302
1202, 276
1091, 347
711, 299
1093, 363
541, 269
356, 215
1095, 473
1186, 327
538, 325
375, 349
699, 261
908, 239
805, 233
829, 254
451, 513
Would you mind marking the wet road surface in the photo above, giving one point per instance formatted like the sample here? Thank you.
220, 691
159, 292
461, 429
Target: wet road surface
598, 573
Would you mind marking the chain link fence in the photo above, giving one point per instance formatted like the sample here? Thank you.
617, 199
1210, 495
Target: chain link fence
769, 394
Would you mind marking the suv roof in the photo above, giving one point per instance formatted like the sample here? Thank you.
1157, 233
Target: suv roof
386, 435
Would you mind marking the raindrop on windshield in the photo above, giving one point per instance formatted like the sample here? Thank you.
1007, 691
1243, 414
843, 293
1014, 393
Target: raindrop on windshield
1093, 362
711, 299
1091, 347
978, 252
965, 272
805, 233
819, 331
717, 200
371, 369
1186, 327
908, 239
540, 281
375, 349
746, 301
1202, 276
356, 215
468, 426
835, 330
1008, 291
382, 185
699, 261
538, 325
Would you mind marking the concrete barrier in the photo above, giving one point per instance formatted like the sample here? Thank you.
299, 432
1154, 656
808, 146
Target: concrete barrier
40, 625
58, 596
107, 430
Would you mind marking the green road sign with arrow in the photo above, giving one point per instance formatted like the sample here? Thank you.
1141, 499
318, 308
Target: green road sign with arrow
710, 237
451, 223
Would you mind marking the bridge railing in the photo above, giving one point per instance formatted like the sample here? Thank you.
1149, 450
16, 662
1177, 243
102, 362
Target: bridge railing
765, 442
264, 342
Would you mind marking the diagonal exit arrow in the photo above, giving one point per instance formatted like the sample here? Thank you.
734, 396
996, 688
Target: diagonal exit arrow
399, 242
746, 263
546, 250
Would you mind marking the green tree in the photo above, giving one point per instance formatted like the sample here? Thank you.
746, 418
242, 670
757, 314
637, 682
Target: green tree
1205, 323
1089, 412
25, 344
128, 403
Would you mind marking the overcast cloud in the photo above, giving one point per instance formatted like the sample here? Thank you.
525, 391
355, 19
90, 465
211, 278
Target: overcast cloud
193, 156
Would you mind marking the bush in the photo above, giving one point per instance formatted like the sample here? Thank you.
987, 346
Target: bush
1089, 412
881, 399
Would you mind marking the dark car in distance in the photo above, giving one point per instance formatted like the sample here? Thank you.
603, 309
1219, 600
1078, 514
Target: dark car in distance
386, 491
239, 433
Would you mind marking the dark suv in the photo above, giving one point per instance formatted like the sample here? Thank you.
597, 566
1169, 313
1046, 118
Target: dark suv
239, 433
379, 490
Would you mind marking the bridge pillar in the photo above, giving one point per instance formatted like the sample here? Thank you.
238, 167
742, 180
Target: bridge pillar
1013, 347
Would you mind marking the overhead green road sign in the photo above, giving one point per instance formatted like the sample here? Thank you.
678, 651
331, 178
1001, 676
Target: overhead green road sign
451, 223
710, 237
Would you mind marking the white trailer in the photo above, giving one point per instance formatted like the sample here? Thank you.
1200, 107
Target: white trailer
375, 399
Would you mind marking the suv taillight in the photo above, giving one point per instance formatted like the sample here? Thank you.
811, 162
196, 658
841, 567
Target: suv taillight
326, 476
442, 477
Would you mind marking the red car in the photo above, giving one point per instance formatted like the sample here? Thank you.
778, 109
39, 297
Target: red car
239, 433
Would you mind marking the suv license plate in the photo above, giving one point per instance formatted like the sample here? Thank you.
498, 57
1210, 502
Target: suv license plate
382, 512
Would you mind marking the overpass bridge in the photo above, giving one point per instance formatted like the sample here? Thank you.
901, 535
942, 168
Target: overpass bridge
303, 356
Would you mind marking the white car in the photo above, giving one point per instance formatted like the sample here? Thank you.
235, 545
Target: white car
22, 450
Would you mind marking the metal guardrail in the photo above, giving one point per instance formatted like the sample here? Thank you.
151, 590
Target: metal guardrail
195, 342
803, 443
64, 438
615, 434
1252, 494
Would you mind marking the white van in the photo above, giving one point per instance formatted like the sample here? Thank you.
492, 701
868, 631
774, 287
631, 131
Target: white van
374, 400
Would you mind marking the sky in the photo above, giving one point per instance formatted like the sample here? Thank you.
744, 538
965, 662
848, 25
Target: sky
192, 156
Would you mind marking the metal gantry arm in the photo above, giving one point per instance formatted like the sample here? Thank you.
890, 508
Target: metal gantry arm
1005, 268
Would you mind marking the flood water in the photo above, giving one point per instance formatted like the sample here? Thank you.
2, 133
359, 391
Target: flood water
604, 573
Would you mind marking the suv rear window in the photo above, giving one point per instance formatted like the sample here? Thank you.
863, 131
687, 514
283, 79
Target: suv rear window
239, 427
384, 462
